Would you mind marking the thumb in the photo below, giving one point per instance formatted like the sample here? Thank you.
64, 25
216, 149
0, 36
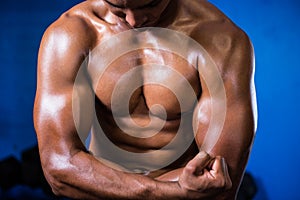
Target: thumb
198, 163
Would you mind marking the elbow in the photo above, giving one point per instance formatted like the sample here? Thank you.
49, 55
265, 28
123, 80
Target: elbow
55, 181
56, 176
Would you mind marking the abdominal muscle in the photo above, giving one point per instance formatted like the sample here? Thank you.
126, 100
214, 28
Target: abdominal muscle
152, 156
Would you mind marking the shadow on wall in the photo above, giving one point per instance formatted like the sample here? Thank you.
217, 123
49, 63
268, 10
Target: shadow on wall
21, 180
261, 192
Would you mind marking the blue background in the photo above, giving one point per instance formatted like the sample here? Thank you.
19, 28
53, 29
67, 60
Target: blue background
273, 26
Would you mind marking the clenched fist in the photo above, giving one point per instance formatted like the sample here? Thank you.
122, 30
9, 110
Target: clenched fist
205, 174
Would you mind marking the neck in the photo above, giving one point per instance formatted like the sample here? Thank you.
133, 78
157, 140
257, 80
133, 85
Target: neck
168, 15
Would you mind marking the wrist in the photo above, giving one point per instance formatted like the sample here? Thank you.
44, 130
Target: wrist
168, 190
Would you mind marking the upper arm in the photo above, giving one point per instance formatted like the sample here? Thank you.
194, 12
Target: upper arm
233, 55
61, 56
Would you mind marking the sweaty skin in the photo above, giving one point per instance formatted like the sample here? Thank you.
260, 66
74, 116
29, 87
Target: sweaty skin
80, 173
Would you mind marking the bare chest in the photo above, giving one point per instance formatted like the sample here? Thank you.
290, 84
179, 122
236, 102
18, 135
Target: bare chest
149, 80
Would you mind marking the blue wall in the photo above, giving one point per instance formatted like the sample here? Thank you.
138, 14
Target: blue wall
274, 29
22, 25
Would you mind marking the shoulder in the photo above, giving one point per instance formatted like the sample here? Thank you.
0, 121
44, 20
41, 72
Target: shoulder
65, 45
228, 45
72, 30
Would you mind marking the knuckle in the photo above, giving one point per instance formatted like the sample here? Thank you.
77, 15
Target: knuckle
221, 182
229, 184
189, 169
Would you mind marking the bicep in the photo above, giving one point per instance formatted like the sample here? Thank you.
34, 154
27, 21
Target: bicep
56, 114
234, 140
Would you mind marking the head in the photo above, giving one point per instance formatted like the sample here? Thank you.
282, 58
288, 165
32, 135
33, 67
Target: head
138, 13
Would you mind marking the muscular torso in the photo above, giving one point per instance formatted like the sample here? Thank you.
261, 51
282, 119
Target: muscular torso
140, 109
142, 101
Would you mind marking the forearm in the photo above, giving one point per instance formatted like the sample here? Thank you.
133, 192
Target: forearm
171, 176
84, 177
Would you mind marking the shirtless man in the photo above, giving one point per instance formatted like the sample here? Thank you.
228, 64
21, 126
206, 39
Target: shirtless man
78, 172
